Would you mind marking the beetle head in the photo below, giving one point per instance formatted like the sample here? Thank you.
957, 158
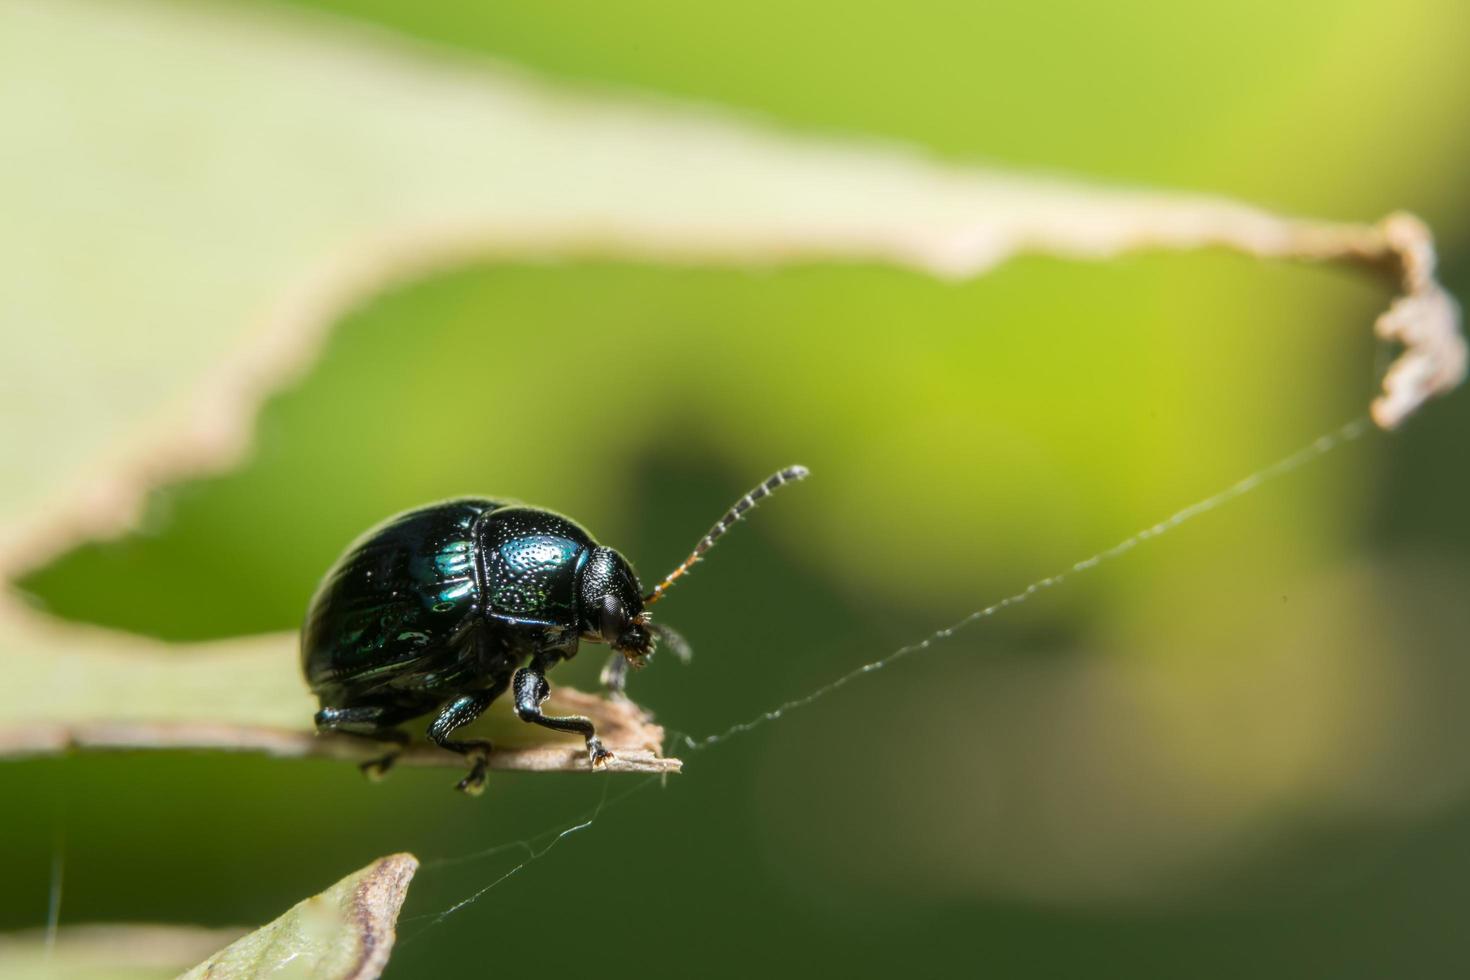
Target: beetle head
612, 606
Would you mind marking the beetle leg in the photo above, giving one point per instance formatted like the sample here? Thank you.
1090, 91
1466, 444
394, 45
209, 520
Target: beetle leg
373, 723
456, 714
530, 690
615, 676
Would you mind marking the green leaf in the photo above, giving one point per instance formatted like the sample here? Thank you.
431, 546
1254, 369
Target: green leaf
240, 180
74, 687
107, 952
345, 933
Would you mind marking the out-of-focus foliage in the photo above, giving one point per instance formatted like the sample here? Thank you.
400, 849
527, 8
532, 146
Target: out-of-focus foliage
108, 952
1234, 752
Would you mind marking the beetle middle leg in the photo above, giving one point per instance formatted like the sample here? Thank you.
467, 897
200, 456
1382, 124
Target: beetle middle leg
456, 714
374, 723
530, 690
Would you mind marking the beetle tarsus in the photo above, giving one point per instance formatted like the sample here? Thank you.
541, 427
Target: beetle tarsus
376, 770
474, 783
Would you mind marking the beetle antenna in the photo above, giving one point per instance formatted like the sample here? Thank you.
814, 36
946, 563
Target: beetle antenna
789, 475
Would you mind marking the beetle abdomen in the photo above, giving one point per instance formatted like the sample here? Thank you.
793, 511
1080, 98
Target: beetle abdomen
396, 597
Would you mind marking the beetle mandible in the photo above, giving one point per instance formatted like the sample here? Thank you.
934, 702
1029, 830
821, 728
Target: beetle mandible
444, 608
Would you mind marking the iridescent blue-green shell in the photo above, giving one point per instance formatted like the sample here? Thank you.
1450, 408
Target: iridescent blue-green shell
395, 596
435, 598
530, 561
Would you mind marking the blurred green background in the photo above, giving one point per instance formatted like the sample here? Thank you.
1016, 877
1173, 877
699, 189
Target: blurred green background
1238, 751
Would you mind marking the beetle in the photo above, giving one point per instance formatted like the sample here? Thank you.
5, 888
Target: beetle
446, 607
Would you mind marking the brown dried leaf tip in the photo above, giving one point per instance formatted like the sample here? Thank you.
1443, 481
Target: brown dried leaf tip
1425, 319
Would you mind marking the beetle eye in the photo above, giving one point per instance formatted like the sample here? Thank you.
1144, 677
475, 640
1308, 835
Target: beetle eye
614, 618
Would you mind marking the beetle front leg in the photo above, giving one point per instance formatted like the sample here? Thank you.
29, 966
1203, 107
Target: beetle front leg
456, 714
530, 690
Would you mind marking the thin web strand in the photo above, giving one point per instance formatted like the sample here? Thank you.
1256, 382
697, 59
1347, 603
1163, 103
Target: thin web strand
532, 853
535, 855
1316, 449
526, 846
53, 899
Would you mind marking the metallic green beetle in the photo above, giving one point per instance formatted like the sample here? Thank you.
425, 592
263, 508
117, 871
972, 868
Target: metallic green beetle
444, 608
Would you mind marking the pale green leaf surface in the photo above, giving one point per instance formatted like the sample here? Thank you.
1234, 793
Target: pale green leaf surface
108, 952
73, 687
273, 170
